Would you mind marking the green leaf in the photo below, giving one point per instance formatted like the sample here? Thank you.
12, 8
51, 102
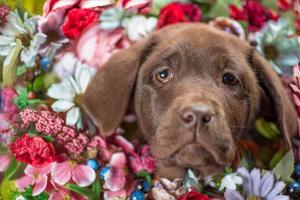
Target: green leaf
96, 187
12, 168
9, 70
144, 174
285, 167
38, 83
48, 138
21, 69
267, 129
221, 8
81, 190
272, 4
7, 188
276, 158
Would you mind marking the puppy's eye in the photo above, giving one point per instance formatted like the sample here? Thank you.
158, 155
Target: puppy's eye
230, 79
164, 75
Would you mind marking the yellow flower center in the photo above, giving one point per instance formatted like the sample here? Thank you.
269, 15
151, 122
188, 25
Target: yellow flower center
25, 39
270, 52
67, 197
254, 198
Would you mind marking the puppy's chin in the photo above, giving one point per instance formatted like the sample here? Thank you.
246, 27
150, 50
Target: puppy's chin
191, 156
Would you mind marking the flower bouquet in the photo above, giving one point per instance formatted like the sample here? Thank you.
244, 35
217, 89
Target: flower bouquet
50, 149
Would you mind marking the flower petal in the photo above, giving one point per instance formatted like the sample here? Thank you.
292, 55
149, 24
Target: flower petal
118, 160
280, 197
255, 180
116, 179
243, 172
61, 173
24, 182
73, 116
62, 105
279, 186
40, 184
61, 90
4, 162
233, 195
83, 175
266, 184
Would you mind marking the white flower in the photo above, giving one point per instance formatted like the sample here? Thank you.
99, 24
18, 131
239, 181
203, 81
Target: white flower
67, 94
20, 197
230, 181
24, 30
139, 26
111, 18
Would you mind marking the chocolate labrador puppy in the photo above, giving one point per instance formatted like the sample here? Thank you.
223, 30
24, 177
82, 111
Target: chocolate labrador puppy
195, 90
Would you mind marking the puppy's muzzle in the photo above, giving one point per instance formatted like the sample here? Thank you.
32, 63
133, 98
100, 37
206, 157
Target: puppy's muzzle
197, 115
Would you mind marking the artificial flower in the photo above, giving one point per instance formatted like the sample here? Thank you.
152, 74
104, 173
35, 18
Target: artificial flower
4, 162
230, 182
68, 92
4, 10
77, 21
194, 195
179, 12
111, 18
9, 109
254, 13
51, 26
7, 131
257, 185
143, 162
139, 26
33, 150
36, 177
25, 30
63, 172
278, 45
228, 25
101, 45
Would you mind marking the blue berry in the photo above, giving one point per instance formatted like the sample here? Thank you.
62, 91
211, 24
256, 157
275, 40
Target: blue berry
294, 190
93, 164
137, 195
297, 170
103, 172
143, 185
45, 63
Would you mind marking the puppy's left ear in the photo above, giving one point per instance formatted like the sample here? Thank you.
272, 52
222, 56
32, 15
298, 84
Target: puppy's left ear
106, 98
283, 109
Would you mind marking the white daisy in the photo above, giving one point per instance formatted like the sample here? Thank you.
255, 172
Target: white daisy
230, 181
68, 92
25, 30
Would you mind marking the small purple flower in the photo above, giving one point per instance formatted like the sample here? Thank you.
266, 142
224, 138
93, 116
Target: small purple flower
257, 185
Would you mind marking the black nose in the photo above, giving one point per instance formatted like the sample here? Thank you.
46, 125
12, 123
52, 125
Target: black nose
198, 113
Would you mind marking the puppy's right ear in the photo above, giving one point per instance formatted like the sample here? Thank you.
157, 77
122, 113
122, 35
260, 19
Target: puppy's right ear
106, 98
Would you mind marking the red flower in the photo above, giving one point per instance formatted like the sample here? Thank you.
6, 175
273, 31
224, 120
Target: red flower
33, 150
178, 12
77, 21
254, 13
285, 5
194, 195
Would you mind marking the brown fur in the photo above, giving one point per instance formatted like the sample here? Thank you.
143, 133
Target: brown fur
198, 55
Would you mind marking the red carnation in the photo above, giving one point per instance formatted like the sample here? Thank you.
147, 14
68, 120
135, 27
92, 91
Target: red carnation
33, 150
77, 21
194, 195
254, 13
178, 12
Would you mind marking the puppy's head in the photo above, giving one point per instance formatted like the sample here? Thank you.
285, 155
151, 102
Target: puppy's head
195, 91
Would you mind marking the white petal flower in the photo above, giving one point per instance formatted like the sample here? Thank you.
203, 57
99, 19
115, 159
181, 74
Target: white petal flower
62, 105
139, 26
67, 92
26, 31
230, 181
73, 116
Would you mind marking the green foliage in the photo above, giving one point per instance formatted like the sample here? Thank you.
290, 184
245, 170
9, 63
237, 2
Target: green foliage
27, 194
267, 129
12, 168
285, 167
221, 8
7, 189
22, 101
85, 191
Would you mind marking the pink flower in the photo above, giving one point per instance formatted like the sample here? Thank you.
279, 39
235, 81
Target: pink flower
117, 183
101, 45
9, 108
62, 193
4, 162
143, 162
63, 172
36, 177
6, 130
99, 144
